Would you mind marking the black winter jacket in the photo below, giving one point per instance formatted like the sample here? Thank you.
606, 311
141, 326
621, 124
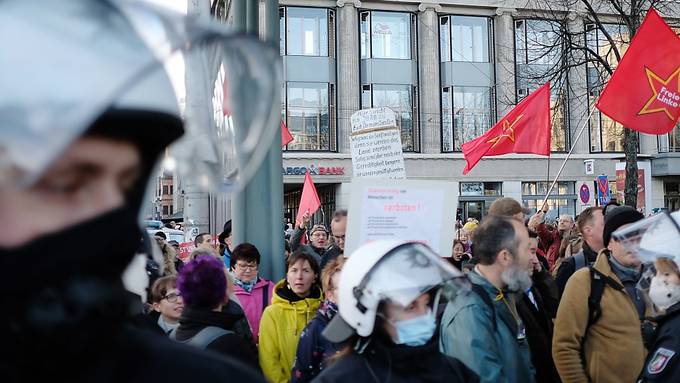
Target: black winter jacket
195, 319
662, 361
539, 330
388, 363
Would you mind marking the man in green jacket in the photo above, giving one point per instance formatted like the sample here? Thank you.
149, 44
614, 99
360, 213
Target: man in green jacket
481, 326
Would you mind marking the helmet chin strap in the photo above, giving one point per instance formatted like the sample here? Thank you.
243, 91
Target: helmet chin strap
361, 345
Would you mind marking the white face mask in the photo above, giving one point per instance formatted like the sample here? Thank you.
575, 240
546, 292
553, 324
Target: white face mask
663, 294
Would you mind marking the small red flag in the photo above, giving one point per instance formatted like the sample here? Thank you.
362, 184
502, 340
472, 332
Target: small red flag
525, 129
309, 201
644, 91
286, 137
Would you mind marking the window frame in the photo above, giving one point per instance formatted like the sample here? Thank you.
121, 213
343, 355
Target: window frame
489, 38
331, 37
492, 114
415, 121
412, 43
593, 92
332, 117
565, 98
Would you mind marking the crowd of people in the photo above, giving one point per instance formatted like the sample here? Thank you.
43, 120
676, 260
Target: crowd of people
545, 301
591, 298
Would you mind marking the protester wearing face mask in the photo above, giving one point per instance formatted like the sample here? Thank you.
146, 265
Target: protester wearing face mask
482, 327
386, 294
656, 241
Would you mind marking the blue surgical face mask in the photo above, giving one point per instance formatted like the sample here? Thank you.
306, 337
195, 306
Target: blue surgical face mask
416, 331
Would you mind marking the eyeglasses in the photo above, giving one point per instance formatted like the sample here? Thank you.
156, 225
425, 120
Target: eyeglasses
249, 267
319, 234
339, 237
172, 297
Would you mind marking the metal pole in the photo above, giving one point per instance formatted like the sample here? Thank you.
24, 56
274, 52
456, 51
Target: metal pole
258, 208
252, 16
564, 163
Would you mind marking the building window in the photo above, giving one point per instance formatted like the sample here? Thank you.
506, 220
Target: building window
464, 38
466, 114
386, 35
670, 142
399, 98
166, 190
308, 115
305, 31
562, 198
606, 135
166, 210
671, 195
481, 189
538, 54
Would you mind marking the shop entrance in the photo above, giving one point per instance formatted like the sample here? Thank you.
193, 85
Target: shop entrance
473, 209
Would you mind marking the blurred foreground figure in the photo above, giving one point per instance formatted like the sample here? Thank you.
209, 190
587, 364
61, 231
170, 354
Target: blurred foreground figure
85, 112
656, 241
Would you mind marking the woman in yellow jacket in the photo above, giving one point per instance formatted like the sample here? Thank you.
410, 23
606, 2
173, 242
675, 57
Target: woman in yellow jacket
294, 303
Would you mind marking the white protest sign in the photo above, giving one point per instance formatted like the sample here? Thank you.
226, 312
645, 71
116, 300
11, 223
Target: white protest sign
409, 210
376, 144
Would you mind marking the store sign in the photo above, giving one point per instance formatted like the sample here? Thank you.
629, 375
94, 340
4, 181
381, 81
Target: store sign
314, 170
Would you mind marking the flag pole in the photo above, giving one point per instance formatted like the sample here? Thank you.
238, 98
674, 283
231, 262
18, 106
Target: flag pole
564, 163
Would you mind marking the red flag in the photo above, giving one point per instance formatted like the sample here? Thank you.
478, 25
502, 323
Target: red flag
525, 129
309, 200
644, 91
286, 137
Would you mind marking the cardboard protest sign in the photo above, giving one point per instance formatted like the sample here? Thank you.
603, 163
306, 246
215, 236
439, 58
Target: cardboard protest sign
422, 211
376, 144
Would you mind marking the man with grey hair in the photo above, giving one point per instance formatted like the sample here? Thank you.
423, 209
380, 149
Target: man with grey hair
338, 229
482, 327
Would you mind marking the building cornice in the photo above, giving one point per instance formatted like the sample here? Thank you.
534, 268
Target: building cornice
425, 5
506, 11
355, 3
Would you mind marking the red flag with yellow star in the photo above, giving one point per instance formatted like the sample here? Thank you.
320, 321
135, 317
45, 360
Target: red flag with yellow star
525, 129
644, 91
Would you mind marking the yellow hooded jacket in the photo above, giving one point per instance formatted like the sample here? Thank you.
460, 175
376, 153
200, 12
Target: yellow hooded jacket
280, 329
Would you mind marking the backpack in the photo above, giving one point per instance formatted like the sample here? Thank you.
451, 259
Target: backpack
202, 338
580, 260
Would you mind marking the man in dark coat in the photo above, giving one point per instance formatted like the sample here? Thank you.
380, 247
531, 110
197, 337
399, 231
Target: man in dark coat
536, 313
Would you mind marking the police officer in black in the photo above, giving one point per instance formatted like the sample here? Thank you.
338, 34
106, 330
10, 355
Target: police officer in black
655, 241
662, 361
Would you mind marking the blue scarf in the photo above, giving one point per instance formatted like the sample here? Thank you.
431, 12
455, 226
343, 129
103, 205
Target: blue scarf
247, 286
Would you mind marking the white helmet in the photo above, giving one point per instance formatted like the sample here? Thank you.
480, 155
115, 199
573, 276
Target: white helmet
652, 238
397, 271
